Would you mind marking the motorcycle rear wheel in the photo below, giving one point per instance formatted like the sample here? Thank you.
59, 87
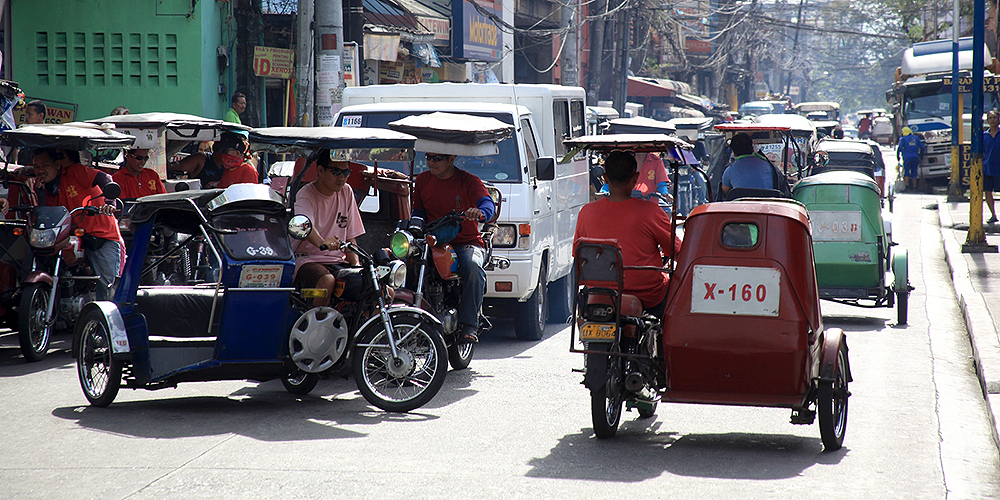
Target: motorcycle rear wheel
460, 355
606, 401
406, 383
100, 374
32, 333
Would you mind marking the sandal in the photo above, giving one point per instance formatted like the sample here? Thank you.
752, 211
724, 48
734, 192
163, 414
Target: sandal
468, 338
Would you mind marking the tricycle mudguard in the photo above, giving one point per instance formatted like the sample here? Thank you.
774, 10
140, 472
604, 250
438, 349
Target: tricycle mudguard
832, 340
900, 271
116, 325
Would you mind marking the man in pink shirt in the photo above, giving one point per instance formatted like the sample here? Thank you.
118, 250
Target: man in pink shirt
335, 217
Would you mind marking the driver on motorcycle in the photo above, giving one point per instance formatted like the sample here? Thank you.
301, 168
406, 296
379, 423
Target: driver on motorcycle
642, 229
335, 218
64, 181
438, 191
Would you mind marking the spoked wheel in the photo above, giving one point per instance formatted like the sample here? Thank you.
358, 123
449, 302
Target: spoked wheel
901, 305
832, 405
460, 355
606, 402
300, 383
32, 332
409, 381
100, 374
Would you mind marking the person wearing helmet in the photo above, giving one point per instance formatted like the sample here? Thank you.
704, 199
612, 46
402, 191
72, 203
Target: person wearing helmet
909, 151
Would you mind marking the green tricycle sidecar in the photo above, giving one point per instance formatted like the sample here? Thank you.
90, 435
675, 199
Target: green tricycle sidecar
852, 242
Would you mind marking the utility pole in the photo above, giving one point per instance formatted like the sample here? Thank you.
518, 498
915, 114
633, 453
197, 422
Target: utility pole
955, 181
795, 50
621, 82
329, 29
570, 70
976, 240
596, 52
304, 82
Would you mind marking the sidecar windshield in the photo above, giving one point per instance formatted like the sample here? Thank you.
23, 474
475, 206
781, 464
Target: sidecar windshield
258, 237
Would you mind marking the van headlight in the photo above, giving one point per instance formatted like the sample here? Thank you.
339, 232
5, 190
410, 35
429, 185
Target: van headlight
43, 238
505, 236
401, 244
397, 274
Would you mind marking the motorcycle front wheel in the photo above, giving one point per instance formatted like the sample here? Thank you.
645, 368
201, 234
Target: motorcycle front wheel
32, 332
409, 381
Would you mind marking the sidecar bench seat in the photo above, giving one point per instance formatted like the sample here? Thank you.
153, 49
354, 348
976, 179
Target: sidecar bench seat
178, 314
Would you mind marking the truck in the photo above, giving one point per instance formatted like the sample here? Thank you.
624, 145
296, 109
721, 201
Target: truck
540, 204
920, 100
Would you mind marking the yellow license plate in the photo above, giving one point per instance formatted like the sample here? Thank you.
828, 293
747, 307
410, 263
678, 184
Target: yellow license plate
597, 331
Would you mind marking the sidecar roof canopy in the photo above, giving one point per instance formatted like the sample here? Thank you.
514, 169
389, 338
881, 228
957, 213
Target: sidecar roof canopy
256, 197
344, 143
455, 133
76, 136
640, 125
180, 127
639, 143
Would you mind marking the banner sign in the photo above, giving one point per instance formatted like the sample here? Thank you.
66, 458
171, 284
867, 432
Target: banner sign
273, 62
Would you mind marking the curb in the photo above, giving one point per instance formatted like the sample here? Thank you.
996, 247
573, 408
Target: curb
983, 337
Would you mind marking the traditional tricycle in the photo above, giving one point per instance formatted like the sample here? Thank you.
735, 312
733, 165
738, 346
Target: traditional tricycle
244, 320
742, 323
852, 242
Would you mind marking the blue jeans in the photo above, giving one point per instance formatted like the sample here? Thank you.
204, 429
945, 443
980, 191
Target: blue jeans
470, 269
106, 263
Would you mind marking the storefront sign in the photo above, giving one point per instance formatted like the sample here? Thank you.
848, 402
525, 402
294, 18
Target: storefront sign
481, 39
54, 113
440, 27
273, 62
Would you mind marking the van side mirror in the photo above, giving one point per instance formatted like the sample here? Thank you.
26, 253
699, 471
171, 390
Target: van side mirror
545, 168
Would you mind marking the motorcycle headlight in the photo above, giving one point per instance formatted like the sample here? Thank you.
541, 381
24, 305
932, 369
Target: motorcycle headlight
401, 244
43, 238
505, 236
397, 274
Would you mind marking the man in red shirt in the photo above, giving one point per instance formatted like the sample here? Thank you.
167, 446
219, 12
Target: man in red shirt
438, 191
235, 168
135, 180
641, 227
64, 181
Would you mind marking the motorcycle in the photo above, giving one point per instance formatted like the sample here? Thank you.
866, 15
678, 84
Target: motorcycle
435, 284
60, 281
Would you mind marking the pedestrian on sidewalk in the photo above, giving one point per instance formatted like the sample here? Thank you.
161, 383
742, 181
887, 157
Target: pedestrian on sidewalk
909, 151
991, 161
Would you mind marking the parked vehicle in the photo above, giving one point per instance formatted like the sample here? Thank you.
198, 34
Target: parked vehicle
245, 321
535, 228
852, 241
742, 324
59, 280
830, 110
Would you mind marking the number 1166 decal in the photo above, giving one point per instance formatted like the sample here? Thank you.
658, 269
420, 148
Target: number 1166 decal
742, 291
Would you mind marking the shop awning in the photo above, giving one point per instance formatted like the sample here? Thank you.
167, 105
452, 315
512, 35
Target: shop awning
387, 15
648, 87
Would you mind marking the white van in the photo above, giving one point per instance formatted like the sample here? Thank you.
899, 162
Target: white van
541, 194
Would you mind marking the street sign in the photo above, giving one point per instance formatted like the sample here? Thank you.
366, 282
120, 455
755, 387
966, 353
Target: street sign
272, 62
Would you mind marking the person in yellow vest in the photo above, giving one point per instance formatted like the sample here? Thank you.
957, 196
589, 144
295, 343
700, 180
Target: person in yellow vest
64, 181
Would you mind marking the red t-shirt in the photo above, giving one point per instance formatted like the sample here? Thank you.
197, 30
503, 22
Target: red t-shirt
642, 229
243, 174
437, 197
76, 189
148, 182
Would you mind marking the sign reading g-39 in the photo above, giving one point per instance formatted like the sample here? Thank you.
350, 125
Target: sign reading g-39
481, 39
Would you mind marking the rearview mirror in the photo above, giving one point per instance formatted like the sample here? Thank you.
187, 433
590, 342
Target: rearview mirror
299, 227
111, 190
545, 168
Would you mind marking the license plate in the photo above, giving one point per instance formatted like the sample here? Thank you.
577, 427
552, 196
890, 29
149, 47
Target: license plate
739, 291
835, 226
261, 276
597, 332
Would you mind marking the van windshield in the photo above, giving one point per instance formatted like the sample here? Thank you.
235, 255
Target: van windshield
502, 167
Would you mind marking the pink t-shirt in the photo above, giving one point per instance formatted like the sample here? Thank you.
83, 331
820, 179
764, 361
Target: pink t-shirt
335, 215
651, 173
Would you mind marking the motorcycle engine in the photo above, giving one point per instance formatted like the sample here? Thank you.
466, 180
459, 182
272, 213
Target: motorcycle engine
449, 320
72, 306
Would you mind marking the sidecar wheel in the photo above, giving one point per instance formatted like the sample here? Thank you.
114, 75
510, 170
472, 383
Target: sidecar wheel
406, 383
606, 402
300, 383
460, 355
100, 374
832, 405
32, 333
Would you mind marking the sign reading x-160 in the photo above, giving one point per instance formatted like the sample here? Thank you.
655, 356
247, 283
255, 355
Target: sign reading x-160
744, 291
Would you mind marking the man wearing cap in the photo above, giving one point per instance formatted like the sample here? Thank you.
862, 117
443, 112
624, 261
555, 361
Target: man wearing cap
909, 151
135, 179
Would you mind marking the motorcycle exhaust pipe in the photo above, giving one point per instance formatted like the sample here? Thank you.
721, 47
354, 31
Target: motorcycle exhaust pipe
634, 382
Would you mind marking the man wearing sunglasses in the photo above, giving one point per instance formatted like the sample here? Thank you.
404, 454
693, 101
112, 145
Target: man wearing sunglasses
335, 217
438, 191
135, 179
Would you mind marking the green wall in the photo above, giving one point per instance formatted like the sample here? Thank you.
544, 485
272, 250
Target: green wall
147, 55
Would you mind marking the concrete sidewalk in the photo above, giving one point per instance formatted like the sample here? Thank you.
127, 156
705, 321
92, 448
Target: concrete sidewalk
976, 277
